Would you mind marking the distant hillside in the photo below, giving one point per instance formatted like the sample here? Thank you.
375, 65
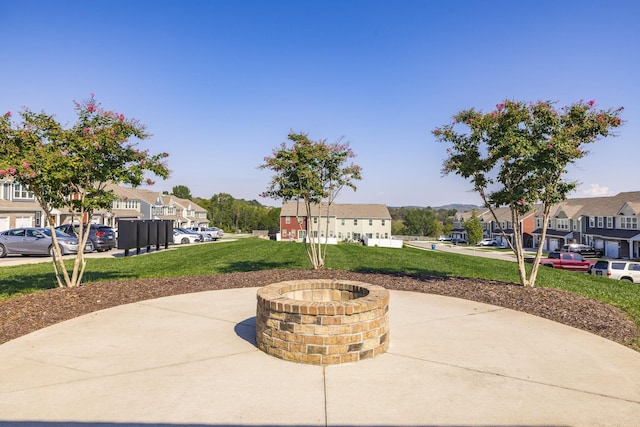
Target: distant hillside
458, 207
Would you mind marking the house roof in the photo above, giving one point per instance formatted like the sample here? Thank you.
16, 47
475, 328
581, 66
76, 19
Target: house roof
608, 206
338, 210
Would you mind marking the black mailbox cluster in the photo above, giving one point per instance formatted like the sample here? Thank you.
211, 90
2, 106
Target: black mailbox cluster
144, 233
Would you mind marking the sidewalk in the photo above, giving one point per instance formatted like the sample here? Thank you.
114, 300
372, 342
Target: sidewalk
191, 360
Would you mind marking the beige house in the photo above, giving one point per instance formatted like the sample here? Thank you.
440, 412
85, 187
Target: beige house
342, 222
18, 208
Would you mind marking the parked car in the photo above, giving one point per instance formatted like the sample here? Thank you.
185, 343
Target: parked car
584, 250
457, 241
37, 241
618, 270
102, 236
567, 261
488, 242
182, 237
219, 231
214, 232
204, 237
444, 238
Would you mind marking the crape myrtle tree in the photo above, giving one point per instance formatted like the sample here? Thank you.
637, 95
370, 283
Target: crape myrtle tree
69, 169
311, 172
517, 156
473, 228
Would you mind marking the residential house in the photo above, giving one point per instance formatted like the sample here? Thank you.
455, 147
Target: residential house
501, 230
183, 212
19, 208
342, 222
608, 223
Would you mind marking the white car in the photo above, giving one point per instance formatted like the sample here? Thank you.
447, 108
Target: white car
488, 242
182, 238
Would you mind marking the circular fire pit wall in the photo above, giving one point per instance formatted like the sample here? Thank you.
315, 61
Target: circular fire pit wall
322, 321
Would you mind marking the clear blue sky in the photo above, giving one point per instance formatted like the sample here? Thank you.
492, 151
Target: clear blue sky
220, 84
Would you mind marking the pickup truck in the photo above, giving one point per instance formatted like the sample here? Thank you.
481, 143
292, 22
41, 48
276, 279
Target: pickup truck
568, 261
214, 232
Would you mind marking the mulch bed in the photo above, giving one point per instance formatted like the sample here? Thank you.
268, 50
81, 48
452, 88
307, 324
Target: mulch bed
25, 314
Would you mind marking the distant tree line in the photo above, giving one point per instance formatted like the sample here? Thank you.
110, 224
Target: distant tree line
230, 214
421, 221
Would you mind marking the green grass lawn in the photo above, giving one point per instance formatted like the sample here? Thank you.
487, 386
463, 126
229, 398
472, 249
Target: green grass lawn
252, 254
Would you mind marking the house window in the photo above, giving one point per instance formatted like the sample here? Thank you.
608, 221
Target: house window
287, 220
315, 219
370, 222
629, 222
562, 224
383, 222
355, 222
342, 221
600, 222
538, 223
609, 222
592, 222
21, 192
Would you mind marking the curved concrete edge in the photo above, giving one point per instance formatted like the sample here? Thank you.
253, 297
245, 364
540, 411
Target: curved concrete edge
191, 359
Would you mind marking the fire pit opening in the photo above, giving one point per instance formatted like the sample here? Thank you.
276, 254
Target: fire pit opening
322, 321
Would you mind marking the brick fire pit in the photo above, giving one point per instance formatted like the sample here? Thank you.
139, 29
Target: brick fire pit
322, 321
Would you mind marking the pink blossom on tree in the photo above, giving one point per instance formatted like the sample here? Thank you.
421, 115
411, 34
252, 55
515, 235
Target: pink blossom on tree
517, 155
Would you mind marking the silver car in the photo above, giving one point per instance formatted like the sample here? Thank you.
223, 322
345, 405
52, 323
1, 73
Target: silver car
37, 241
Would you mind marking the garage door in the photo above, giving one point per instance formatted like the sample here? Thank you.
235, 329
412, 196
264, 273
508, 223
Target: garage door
24, 221
553, 244
611, 250
4, 223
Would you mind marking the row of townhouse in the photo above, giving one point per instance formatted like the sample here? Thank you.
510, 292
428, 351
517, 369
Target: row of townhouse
607, 223
343, 222
19, 208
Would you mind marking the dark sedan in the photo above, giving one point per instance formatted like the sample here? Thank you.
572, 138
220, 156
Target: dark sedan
103, 237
